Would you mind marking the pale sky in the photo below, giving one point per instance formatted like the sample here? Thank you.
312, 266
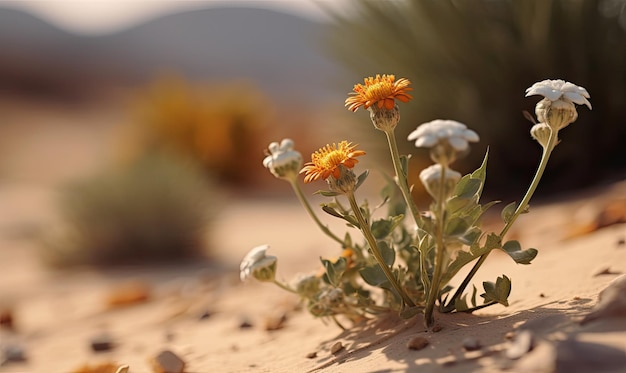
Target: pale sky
104, 16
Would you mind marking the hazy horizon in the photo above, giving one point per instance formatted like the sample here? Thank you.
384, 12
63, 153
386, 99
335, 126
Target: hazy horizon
105, 17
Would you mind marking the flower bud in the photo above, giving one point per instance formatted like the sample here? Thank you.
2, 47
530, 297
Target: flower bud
556, 114
345, 183
384, 119
282, 161
258, 265
307, 286
541, 132
431, 178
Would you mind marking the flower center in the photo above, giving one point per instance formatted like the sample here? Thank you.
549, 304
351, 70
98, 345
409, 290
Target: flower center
331, 158
379, 91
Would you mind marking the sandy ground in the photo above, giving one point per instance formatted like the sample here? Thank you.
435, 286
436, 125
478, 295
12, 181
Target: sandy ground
196, 310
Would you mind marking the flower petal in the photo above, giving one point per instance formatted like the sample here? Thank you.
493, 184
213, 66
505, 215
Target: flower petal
458, 143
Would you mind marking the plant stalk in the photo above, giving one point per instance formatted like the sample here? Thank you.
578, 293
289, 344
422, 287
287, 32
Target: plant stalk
307, 206
440, 249
402, 179
371, 240
547, 150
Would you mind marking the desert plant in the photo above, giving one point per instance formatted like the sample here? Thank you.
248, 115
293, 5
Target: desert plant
410, 256
154, 210
216, 125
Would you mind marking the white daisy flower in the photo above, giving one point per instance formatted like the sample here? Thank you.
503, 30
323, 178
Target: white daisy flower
558, 108
441, 132
555, 90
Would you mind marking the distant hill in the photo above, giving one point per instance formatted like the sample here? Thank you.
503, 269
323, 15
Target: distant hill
283, 53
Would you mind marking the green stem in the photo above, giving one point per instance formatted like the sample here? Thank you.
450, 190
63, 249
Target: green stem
440, 248
307, 206
369, 237
402, 179
547, 150
284, 287
403, 184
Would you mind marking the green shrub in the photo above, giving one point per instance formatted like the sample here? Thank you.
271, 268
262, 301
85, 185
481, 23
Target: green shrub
154, 210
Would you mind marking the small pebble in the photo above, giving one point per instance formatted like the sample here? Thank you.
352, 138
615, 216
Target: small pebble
471, 344
14, 354
126, 294
245, 324
338, 346
6, 319
417, 343
108, 367
102, 342
167, 362
311, 355
542, 295
621, 241
204, 315
522, 344
437, 328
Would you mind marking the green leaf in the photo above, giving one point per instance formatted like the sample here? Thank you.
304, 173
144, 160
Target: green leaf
327, 193
334, 271
508, 211
347, 217
361, 178
331, 211
471, 236
471, 189
388, 253
498, 291
460, 303
410, 312
374, 275
404, 164
456, 204
481, 172
474, 292
457, 226
383, 227
514, 249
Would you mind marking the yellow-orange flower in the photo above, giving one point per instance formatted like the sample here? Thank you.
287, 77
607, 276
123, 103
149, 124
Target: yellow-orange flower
326, 161
381, 90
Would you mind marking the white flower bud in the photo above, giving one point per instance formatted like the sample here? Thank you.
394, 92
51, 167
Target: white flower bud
258, 265
431, 178
283, 162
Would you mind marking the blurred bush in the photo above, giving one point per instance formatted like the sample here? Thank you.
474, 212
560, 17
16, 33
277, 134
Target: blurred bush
217, 125
472, 60
154, 210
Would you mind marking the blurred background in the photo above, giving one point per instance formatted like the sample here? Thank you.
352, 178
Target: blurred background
134, 116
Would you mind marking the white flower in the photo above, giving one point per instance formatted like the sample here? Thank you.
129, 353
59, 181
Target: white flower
283, 161
558, 108
257, 264
431, 178
439, 131
555, 90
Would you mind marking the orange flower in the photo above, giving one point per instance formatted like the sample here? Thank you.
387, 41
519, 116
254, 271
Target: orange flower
326, 161
381, 91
